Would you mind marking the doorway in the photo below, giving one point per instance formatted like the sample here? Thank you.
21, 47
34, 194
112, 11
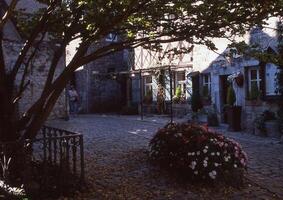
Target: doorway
224, 84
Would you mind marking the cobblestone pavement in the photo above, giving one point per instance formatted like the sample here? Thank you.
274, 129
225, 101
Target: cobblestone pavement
117, 165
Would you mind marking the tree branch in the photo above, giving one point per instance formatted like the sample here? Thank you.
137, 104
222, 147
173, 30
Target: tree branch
27, 64
2, 59
8, 14
29, 42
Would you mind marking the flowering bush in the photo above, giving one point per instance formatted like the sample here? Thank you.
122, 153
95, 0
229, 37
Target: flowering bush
198, 153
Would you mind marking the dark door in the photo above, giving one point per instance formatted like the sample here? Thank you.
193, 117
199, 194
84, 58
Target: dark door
224, 84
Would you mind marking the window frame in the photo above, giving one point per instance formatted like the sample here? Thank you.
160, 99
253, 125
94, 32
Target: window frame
182, 83
206, 83
258, 79
147, 84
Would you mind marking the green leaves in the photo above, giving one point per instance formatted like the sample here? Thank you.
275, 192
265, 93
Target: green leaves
156, 18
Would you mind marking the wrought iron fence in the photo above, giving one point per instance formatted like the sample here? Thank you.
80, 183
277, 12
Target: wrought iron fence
54, 159
62, 148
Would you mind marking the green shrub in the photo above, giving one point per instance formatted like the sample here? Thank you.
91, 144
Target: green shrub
178, 92
178, 95
231, 97
254, 93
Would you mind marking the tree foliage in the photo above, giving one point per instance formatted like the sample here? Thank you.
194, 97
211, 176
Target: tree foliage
147, 23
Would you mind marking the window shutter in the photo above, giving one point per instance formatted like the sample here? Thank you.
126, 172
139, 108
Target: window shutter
196, 83
262, 77
247, 82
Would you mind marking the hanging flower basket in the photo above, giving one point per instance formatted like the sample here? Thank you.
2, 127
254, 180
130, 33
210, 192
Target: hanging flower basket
239, 79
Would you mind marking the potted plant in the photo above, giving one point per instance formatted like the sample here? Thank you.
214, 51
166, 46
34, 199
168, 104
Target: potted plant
233, 111
266, 125
178, 94
254, 96
259, 126
225, 113
212, 119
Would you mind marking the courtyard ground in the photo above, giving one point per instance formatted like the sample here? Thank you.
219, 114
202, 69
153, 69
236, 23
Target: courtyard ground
117, 166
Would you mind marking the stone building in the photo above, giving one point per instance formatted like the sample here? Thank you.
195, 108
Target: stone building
100, 84
256, 76
211, 70
13, 42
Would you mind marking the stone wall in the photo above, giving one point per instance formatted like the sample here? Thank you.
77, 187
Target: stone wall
100, 86
36, 75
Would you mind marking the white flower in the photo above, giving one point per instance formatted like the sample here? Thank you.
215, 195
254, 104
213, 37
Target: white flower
212, 153
218, 153
212, 175
214, 172
198, 152
193, 164
193, 153
189, 153
205, 151
206, 147
196, 172
179, 134
216, 164
206, 158
235, 166
205, 163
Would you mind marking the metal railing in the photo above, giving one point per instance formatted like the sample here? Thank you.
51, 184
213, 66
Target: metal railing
58, 147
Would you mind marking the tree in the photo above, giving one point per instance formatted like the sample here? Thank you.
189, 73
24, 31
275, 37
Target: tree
145, 23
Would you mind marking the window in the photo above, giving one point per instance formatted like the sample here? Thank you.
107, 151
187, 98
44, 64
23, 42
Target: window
111, 37
147, 85
180, 81
206, 85
254, 82
254, 78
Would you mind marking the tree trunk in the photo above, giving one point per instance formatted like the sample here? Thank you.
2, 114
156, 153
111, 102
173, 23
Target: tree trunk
8, 128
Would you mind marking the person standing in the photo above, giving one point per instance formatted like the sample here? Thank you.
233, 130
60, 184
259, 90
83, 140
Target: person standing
74, 100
